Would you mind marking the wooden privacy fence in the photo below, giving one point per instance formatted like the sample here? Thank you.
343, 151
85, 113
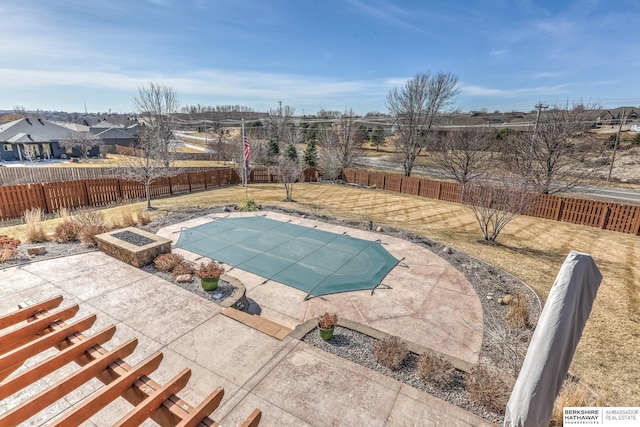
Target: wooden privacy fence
35, 174
51, 196
605, 215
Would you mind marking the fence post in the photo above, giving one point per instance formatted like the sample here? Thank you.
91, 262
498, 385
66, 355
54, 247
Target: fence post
604, 217
439, 196
47, 203
119, 189
559, 211
635, 227
170, 186
189, 180
204, 173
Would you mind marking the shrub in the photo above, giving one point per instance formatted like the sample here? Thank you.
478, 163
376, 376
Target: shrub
142, 218
435, 368
8, 247
166, 262
487, 388
636, 140
518, 312
327, 320
574, 394
210, 269
89, 217
88, 233
67, 232
248, 205
391, 352
34, 231
182, 268
126, 220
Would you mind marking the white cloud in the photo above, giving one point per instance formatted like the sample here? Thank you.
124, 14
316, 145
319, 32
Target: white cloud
498, 52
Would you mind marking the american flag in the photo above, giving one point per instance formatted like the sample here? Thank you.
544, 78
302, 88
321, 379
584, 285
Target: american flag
247, 154
247, 150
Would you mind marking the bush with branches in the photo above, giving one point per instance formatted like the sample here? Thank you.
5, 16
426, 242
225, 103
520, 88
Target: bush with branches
435, 368
8, 247
184, 267
391, 352
88, 234
68, 231
167, 262
487, 388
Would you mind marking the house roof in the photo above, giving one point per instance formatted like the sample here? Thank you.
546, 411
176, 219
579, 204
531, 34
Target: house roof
30, 130
114, 133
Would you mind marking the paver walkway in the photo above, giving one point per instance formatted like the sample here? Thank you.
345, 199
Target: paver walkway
293, 383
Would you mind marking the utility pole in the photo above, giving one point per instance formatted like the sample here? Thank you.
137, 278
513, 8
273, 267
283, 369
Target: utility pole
615, 147
539, 106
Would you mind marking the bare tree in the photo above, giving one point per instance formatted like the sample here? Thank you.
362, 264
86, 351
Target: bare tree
496, 204
462, 154
289, 169
156, 104
82, 142
329, 161
155, 160
415, 107
551, 155
348, 148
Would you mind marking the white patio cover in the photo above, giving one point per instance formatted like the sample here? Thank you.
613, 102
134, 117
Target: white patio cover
554, 342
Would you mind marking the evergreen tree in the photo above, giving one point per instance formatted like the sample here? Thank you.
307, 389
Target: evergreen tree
377, 137
290, 152
310, 156
273, 151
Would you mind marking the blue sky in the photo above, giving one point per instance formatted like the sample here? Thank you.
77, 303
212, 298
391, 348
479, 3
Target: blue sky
311, 55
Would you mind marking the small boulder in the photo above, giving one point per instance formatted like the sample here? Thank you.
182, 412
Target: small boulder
506, 300
379, 229
40, 250
447, 250
183, 278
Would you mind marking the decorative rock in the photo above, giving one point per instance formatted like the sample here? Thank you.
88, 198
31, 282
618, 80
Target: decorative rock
40, 250
226, 209
447, 250
379, 229
506, 300
183, 278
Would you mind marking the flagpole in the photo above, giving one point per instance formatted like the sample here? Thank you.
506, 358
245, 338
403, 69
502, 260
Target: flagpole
244, 161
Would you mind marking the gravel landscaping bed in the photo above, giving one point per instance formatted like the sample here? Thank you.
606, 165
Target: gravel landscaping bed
222, 292
358, 348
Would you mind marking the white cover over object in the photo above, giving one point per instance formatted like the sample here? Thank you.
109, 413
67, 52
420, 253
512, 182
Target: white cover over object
554, 342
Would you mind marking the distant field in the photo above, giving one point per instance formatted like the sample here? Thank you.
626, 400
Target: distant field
531, 249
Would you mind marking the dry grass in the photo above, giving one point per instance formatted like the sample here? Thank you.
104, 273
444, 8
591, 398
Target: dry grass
487, 388
530, 248
435, 368
115, 160
574, 394
34, 232
518, 311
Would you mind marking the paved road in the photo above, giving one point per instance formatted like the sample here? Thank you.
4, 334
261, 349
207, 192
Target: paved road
620, 195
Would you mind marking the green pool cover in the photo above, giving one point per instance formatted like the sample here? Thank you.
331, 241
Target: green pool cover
314, 261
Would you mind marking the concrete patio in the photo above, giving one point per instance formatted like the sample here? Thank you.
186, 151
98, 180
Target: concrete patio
293, 383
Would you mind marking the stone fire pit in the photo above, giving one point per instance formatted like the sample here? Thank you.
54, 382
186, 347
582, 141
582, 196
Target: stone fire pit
133, 246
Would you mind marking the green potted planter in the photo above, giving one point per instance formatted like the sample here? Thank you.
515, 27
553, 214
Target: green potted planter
209, 283
209, 274
326, 325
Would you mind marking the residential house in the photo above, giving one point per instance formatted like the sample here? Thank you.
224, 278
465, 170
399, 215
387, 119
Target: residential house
30, 139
